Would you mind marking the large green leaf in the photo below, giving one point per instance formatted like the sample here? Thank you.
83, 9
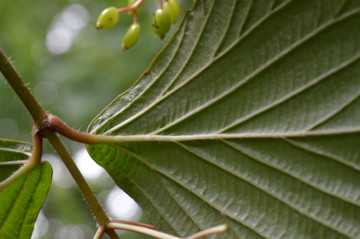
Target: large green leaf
250, 116
21, 201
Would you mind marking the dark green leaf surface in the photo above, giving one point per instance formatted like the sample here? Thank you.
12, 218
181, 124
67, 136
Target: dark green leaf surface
13, 154
254, 112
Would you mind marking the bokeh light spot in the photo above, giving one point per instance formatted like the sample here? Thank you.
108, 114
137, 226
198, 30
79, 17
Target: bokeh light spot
75, 16
121, 206
65, 28
87, 166
60, 174
59, 40
41, 226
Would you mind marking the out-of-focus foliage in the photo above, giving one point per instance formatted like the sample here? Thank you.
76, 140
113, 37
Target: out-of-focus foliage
74, 70
67, 82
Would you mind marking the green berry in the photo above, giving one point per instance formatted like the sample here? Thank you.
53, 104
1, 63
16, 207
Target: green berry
131, 36
172, 7
161, 22
108, 18
130, 3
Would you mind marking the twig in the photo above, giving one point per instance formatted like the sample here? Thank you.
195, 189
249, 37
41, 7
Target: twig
14, 80
213, 230
41, 129
133, 7
161, 235
85, 189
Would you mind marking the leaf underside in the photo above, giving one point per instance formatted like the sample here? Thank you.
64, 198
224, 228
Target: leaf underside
258, 103
21, 201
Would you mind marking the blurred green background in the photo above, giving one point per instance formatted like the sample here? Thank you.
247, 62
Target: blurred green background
74, 71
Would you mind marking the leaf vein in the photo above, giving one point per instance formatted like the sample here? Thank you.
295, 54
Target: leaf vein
32, 198
333, 113
192, 50
181, 31
156, 101
293, 175
170, 177
251, 76
261, 110
227, 30
173, 196
263, 189
313, 150
156, 207
22, 190
177, 202
292, 94
354, 201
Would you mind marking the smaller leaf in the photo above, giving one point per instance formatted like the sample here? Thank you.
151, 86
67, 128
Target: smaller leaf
21, 201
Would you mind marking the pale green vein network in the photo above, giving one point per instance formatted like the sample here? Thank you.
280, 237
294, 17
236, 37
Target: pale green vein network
161, 98
226, 93
155, 206
194, 192
174, 180
170, 61
262, 161
289, 203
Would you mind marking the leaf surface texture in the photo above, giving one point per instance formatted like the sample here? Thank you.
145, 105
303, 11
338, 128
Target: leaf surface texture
255, 112
21, 201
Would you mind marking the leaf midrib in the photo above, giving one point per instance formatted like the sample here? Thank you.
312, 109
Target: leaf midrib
106, 139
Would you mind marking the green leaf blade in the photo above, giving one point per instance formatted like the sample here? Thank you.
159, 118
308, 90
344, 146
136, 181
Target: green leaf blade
260, 130
22, 200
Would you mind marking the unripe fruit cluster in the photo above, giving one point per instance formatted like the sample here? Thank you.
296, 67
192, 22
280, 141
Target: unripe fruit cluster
163, 17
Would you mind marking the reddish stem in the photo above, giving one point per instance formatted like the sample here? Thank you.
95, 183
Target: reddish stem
134, 223
133, 7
